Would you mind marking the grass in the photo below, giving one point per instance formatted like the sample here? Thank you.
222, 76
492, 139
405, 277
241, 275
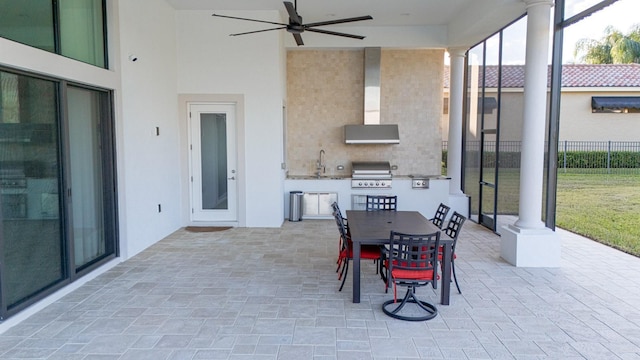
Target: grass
605, 208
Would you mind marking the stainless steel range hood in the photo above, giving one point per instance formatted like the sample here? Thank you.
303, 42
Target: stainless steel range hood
371, 132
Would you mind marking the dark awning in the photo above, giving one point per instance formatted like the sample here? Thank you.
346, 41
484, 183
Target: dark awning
615, 102
490, 104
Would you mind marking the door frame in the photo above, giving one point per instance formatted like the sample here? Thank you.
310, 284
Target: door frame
183, 106
196, 153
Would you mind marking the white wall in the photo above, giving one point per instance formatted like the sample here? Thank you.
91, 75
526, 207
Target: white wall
210, 62
149, 99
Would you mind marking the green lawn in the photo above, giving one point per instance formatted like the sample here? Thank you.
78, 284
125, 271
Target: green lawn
602, 207
605, 208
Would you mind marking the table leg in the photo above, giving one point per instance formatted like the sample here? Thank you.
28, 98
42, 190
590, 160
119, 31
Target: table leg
356, 272
446, 275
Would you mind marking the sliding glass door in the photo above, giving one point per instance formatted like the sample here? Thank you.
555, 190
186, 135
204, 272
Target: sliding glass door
57, 186
32, 244
86, 111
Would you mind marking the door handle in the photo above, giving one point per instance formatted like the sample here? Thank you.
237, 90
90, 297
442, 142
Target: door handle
231, 178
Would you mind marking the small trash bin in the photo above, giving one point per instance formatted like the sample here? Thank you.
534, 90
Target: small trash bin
295, 205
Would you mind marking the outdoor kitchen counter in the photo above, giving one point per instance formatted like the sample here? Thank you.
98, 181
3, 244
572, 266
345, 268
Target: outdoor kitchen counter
314, 177
424, 200
346, 177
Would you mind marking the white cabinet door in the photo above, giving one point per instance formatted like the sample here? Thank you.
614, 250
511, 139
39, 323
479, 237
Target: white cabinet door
310, 201
324, 203
318, 204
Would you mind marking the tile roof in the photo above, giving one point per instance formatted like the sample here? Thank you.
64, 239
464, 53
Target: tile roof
573, 75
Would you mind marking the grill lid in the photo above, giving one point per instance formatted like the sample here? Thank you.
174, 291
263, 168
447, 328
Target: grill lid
371, 169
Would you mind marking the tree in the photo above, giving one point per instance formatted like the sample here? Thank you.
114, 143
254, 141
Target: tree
614, 48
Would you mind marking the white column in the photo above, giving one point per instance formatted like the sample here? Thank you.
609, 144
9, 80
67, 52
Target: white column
528, 242
458, 201
454, 147
535, 110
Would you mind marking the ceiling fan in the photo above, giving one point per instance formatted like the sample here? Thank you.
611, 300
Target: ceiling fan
297, 27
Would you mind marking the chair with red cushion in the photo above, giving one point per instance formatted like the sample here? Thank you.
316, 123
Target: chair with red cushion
371, 252
440, 216
412, 263
453, 231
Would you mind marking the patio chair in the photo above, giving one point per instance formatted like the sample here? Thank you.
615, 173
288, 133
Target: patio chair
371, 252
336, 208
440, 216
453, 231
412, 263
381, 202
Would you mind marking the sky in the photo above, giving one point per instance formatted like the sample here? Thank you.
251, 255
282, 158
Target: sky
623, 14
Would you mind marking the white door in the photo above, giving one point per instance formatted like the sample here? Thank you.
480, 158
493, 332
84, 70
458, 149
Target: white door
213, 161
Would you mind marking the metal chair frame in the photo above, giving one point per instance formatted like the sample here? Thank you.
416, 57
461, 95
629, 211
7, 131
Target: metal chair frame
372, 252
440, 216
412, 263
453, 231
382, 203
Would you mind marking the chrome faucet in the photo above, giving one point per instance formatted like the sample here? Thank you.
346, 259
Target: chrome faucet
320, 165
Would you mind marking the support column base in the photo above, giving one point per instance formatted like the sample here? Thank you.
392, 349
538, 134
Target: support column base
459, 203
530, 247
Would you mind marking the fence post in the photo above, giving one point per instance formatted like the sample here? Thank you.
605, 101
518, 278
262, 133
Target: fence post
609, 157
564, 155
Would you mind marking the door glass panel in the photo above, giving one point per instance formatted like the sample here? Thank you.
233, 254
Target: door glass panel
213, 130
31, 252
488, 183
490, 136
487, 217
474, 81
489, 158
87, 188
511, 120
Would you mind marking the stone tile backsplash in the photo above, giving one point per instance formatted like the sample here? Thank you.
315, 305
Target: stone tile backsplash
325, 92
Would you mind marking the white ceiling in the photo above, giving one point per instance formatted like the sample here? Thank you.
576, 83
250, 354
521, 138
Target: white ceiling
466, 21
384, 12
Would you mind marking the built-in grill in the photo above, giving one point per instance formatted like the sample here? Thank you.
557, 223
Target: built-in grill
13, 192
12, 178
370, 174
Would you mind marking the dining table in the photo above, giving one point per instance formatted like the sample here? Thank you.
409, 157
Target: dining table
374, 228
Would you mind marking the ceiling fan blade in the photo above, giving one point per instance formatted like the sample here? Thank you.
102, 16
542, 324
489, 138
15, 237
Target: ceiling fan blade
293, 15
298, 39
258, 31
247, 19
339, 21
335, 33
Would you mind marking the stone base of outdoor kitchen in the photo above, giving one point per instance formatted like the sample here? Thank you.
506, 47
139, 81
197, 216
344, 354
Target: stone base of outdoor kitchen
530, 247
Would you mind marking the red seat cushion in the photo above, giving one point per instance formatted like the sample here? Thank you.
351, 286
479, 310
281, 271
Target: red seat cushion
369, 252
440, 251
440, 256
412, 274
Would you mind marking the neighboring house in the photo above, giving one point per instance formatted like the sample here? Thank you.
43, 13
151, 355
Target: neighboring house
598, 102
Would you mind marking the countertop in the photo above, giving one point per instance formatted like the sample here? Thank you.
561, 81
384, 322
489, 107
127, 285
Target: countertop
345, 177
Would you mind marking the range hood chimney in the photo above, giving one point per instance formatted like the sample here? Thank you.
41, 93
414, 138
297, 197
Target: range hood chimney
372, 132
